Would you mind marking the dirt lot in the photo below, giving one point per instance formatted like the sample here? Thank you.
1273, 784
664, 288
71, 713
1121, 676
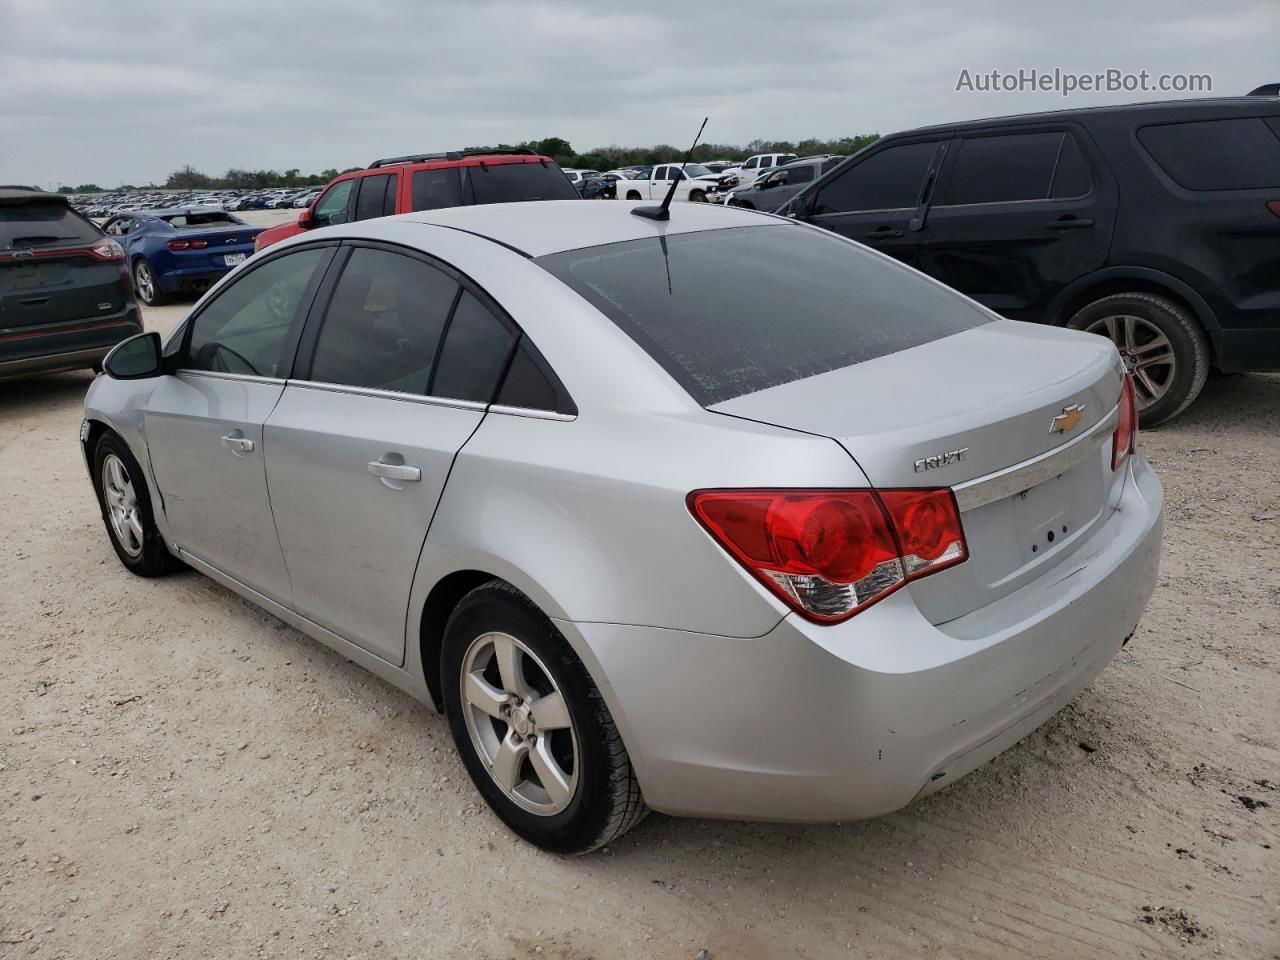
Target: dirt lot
184, 776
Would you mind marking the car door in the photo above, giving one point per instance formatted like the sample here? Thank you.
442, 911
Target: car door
878, 198
1018, 216
204, 422
393, 377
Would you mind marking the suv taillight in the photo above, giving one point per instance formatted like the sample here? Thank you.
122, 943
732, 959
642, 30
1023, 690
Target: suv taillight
1274, 207
832, 553
107, 250
1125, 440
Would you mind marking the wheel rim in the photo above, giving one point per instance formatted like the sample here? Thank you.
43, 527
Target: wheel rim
1146, 351
520, 724
122, 505
146, 286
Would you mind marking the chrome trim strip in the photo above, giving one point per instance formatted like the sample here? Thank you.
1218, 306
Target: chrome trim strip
218, 375
388, 395
532, 413
1023, 476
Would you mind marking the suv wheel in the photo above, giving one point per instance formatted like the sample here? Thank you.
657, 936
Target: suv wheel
144, 281
532, 729
1161, 344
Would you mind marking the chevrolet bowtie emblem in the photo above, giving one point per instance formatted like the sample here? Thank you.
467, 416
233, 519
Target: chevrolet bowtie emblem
1067, 419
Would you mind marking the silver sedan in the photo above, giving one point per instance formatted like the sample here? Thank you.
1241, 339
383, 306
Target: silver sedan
720, 515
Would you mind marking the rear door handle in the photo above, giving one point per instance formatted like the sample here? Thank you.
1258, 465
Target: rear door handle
395, 471
884, 233
1069, 223
237, 445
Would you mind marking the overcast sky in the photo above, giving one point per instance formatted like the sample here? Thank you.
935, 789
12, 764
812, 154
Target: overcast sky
114, 92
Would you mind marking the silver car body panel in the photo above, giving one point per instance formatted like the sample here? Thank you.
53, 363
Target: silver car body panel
586, 515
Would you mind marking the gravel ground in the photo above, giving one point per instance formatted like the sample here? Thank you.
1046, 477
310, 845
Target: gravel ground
183, 775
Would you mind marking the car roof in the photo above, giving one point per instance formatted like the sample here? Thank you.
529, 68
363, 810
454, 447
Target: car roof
21, 194
540, 227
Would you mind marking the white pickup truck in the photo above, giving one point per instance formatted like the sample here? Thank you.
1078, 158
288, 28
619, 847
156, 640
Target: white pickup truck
758, 166
696, 183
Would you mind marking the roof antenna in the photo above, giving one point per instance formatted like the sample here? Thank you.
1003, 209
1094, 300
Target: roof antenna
663, 212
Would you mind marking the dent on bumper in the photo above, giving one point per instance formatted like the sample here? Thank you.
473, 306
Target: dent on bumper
852, 721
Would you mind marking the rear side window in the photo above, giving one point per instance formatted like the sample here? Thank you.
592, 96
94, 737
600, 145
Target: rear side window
513, 182
42, 222
437, 189
1239, 154
1004, 169
383, 323
888, 180
475, 351
728, 312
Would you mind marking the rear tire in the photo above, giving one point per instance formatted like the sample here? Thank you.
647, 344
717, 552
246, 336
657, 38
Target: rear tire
502, 660
126, 509
1162, 345
144, 283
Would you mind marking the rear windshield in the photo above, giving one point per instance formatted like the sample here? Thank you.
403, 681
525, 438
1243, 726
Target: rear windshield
729, 312
41, 222
1237, 154
215, 219
511, 182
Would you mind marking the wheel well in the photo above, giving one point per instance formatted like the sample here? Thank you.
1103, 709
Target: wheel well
96, 429
444, 596
1110, 287
633, 195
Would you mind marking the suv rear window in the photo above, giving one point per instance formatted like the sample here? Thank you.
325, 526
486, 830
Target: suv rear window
511, 182
729, 312
1238, 154
37, 223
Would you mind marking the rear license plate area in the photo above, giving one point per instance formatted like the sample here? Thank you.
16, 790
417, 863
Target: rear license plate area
231, 259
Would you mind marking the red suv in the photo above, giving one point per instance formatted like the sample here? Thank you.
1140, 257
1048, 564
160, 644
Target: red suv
429, 182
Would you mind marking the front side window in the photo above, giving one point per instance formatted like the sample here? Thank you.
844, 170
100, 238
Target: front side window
751, 163
245, 328
732, 311
1004, 169
890, 179
383, 323
331, 208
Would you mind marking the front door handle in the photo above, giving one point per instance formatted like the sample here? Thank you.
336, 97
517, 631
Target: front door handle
237, 444
395, 471
1069, 223
884, 233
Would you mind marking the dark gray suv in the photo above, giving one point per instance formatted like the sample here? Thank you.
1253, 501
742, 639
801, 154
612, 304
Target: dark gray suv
774, 189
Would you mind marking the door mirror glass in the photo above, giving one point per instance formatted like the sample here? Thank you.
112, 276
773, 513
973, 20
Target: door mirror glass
304, 218
135, 359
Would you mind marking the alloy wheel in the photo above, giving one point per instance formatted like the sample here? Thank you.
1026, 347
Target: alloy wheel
1146, 351
145, 282
519, 723
122, 505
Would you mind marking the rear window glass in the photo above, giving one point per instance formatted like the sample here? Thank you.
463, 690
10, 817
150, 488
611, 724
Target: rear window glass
1239, 154
733, 311
215, 219
42, 222
512, 182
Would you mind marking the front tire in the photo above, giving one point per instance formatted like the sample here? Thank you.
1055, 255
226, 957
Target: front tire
1162, 345
126, 509
697, 196
144, 282
531, 727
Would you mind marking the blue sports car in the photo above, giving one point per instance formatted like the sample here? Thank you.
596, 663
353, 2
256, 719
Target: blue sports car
184, 249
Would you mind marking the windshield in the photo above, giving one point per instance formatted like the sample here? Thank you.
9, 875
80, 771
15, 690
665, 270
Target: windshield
696, 170
215, 219
732, 311
43, 222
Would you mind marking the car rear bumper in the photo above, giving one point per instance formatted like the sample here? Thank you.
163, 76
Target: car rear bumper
855, 720
67, 346
199, 276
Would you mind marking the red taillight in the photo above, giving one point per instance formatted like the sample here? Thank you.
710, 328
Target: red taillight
832, 553
178, 244
199, 244
1274, 207
1125, 440
107, 250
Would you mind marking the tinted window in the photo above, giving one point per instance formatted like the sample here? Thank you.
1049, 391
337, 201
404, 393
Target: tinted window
372, 196
511, 182
42, 222
244, 330
215, 219
1003, 169
332, 207
747, 308
531, 384
888, 180
829, 165
1241, 154
1071, 178
475, 351
800, 174
437, 189
383, 323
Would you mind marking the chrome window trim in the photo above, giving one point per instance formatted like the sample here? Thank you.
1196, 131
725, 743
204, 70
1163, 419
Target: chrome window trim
388, 394
532, 413
1002, 484
219, 375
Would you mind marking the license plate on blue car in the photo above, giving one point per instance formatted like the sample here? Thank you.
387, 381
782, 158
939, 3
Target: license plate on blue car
233, 258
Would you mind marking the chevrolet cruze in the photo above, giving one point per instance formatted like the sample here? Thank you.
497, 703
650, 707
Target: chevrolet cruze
721, 515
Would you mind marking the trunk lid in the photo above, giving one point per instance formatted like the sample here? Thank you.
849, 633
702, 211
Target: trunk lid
52, 284
976, 412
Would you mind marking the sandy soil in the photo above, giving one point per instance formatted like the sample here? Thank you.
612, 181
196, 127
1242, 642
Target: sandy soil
182, 775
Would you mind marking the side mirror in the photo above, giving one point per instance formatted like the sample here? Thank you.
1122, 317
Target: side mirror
137, 358
304, 218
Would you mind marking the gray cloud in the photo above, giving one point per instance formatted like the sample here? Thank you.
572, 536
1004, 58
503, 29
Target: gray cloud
129, 91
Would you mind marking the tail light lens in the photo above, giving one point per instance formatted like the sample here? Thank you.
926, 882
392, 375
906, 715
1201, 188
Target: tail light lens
1274, 207
178, 244
831, 553
107, 250
199, 244
1125, 440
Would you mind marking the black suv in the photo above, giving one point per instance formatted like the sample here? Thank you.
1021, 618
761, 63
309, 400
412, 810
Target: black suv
65, 294
1155, 224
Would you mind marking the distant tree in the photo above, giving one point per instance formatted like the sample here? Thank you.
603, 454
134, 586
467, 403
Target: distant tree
188, 178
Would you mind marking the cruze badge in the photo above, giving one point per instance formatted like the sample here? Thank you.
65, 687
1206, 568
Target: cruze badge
1067, 419
941, 459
